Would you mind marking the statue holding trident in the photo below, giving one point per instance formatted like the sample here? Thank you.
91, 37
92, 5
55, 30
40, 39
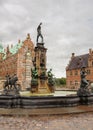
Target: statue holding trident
39, 32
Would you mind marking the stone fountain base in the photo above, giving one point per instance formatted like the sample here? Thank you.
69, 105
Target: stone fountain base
17, 101
83, 92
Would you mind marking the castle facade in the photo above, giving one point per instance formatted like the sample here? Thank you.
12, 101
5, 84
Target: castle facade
18, 59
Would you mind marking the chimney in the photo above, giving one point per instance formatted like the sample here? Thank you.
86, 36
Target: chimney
90, 51
73, 55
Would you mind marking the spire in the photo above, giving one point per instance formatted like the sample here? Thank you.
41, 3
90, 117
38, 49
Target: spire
8, 49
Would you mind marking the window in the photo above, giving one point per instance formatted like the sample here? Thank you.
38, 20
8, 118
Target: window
70, 82
70, 72
76, 72
88, 71
76, 82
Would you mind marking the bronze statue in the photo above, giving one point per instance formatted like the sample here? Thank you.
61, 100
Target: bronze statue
7, 80
84, 82
10, 81
83, 90
50, 77
34, 73
39, 32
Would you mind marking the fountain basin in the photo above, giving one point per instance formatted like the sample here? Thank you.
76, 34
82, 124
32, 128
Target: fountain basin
49, 101
38, 101
44, 101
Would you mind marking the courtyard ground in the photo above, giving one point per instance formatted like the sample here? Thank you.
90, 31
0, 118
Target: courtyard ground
67, 118
83, 121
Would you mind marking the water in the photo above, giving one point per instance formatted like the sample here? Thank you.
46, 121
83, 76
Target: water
64, 93
56, 93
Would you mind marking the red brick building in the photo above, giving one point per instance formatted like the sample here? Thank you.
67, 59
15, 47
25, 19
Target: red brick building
18, 59
74, 67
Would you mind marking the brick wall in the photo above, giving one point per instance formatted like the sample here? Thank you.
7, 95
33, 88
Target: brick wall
19, 63
73, 75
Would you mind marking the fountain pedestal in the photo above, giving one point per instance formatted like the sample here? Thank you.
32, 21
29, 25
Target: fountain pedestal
83, 92
40, 67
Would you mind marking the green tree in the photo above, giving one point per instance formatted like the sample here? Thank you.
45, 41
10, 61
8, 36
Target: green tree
60, 81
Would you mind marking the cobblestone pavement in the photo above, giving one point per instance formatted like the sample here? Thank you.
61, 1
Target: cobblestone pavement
48, 122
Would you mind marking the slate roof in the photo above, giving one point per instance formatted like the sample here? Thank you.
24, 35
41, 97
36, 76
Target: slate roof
78, 62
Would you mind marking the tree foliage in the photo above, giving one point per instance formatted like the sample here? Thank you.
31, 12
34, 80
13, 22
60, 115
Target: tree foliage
60, 81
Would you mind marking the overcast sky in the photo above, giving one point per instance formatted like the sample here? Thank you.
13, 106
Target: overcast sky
67, 27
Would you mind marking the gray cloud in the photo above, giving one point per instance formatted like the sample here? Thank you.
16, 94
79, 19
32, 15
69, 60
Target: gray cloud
67, 27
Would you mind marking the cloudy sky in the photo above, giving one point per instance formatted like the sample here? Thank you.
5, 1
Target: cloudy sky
67, 27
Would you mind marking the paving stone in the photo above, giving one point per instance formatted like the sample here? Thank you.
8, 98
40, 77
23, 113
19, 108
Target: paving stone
57, 122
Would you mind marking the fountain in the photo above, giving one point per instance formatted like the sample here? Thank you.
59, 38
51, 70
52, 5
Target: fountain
42, 92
